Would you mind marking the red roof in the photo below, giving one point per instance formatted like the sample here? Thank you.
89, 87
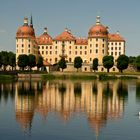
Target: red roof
45, 63
115, 37
44, 39
65, 36
81, 41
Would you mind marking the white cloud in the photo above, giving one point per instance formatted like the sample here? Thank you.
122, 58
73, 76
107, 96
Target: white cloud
2, 31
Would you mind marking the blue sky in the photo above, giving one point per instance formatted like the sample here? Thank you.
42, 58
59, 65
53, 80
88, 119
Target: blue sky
77, 15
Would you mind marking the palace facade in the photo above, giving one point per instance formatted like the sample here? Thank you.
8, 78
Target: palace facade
98, 44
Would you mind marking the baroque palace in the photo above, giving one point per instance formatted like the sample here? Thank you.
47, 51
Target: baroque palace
98, 44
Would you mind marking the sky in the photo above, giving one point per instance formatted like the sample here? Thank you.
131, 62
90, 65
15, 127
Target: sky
77, 15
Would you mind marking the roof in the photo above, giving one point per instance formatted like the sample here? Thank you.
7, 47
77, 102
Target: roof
81, 41
45, 63
115, 37
65, 36
44, 39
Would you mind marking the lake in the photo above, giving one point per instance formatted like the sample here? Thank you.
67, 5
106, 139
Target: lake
70, 110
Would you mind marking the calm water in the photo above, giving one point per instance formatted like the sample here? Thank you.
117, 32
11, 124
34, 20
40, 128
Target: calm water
70, 110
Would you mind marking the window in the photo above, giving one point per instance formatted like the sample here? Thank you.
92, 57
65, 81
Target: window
42, 52
81, 52
29, 51
80, 47
119, 53
55, 52
103, 51
56, 42
50, 52
70, 42
115, 53
17, 50
75, 52
103, 40
85, 52
119, 48
38, 47
103, 45
96, 39
96, 51
115, 48
29, 45
42, 47
90, 51
111, 48
46, 47
22, 45
17, 45
90, 45
102, 69
90, 39
85, 47
55, 47
75, 47
90, 59
113, 69
69, 59
85, 69
120, 43
115, 43
96, 45
111, 53
55, 59
112, 43
50, 60
50, 47
69, 52
46, 52
22, 51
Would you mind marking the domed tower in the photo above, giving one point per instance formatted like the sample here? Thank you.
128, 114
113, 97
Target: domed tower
98, 40
25, 40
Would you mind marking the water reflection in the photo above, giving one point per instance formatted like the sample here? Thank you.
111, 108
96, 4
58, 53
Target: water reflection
7, 91
100, 101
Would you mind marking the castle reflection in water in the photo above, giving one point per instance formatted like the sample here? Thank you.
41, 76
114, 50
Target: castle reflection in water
100, 101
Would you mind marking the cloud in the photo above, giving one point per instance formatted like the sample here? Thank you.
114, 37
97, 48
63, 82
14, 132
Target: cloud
2, 31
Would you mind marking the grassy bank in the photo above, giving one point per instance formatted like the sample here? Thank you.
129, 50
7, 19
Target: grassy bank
7, 78
68, 76
87, 76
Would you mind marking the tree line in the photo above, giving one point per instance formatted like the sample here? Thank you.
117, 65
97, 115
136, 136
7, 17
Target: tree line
25, 62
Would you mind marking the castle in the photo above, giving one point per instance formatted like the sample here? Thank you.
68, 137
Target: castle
98, 44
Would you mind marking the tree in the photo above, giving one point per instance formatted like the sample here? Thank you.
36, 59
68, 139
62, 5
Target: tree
12, 59
95, 64
122, 62
132, 60
137, 62
31, 61
62, 63
108, 62
23, 61
0, 60
4, 59
39, 62
78, 62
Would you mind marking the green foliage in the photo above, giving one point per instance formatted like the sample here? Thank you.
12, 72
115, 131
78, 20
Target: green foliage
39, 62
0, 60
12, 59
122, 62
137, 62
31, 61
78, 62
23, 61
4, 59
62, 64
132, 60
95, 64
108, 62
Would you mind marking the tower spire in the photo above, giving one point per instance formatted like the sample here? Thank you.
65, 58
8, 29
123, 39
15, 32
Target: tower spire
31, 21
98, 20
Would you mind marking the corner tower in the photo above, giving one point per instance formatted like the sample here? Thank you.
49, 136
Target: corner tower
98, 40
26, 40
